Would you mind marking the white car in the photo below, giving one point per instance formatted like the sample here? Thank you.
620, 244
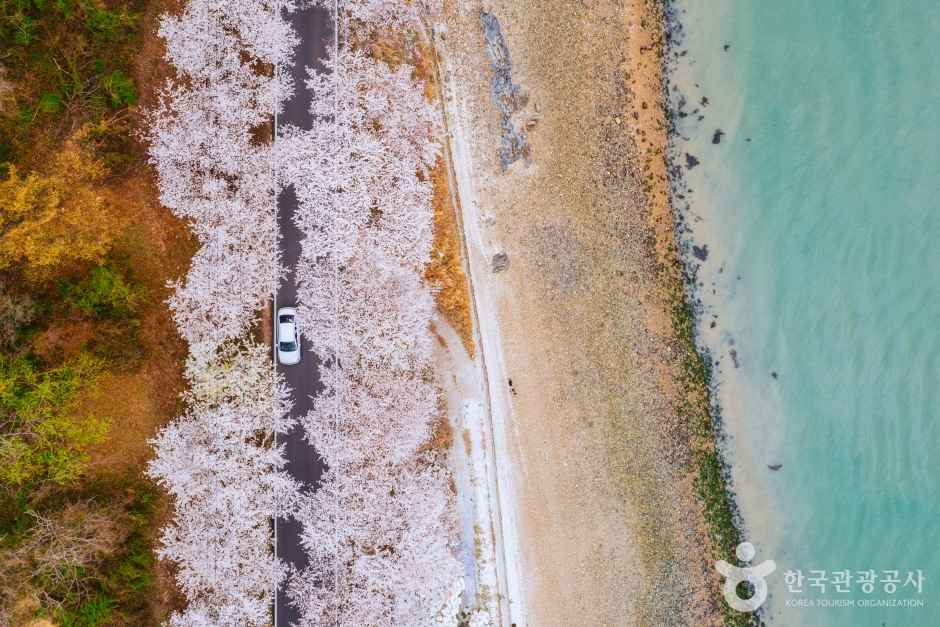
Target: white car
288, 339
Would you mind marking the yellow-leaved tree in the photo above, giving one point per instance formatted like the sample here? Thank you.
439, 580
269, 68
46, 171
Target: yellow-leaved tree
55, 220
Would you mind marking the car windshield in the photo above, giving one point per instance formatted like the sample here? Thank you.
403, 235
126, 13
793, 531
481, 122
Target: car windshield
288, 347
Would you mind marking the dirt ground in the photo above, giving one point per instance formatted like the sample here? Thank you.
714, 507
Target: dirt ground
158, 247
577, 333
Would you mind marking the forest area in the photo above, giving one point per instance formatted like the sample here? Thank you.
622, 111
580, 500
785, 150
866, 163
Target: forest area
90, 362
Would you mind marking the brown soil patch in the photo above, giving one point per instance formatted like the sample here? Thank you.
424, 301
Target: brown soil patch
63, 341
132, 402
151, 68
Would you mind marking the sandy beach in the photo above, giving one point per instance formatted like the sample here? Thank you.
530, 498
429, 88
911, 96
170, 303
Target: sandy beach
560, 168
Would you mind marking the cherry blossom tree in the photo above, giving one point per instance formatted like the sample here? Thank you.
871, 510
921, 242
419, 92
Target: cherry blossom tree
376, 412
380, 541
365, 162
219, 464
218, 460
212, 169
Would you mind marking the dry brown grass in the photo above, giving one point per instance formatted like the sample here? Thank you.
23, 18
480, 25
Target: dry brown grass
150, 66
442, 435
7, 89
264, 329
446, 273
395, 48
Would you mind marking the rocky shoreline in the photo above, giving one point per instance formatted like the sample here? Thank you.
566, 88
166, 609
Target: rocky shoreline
713, 484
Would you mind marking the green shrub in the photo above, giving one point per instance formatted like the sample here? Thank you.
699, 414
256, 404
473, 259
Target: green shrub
110, 140
120, 89
107, 26
45, 436
14, 517
50, 102
24, 29
117, 342
91, 613
106, 292
112, 299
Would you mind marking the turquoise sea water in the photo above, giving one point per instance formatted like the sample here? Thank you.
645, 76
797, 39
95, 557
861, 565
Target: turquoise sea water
820, 209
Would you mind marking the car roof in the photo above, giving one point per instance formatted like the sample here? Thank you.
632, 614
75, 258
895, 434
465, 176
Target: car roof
286, 331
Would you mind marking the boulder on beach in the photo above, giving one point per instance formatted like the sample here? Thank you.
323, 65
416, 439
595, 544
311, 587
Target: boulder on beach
500, 262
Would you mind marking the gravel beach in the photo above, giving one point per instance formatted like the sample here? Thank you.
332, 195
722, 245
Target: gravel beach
556, 121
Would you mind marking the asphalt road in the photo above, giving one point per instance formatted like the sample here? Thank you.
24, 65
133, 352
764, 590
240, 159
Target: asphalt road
315, 29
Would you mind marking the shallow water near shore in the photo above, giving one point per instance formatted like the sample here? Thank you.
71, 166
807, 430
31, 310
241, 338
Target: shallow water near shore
818, 204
